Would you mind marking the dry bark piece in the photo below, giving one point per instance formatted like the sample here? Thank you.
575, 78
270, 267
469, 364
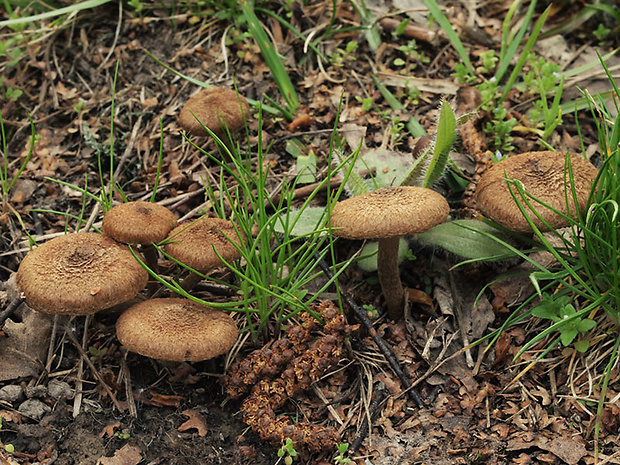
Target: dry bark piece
138, 222
195, 245
176, 329
544, 175
79, 274
388, 214
216, 108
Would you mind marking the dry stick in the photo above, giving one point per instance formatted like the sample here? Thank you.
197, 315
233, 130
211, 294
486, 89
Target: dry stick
380, 394
84, 357
131, 401
386, 350
10, 309
79, 385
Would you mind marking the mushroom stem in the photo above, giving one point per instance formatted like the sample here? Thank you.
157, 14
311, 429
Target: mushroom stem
389, 277
190, 281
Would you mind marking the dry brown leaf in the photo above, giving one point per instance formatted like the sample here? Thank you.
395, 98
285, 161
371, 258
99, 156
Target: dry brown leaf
108, 430
195, 422
569, 450
126, 455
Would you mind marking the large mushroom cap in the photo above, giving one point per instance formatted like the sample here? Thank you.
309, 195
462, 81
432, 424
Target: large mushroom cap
211, 106
138, 222
544, 176
389, 212
79, 274
176, 329
194, 245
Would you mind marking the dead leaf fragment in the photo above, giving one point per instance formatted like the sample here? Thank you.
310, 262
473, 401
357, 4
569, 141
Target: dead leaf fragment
195, 422
569, 450
126, 455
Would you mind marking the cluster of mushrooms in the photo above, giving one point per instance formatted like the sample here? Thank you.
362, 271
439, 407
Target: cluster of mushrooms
84, 273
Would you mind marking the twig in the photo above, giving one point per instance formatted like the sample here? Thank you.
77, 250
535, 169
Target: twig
96, 374
10, 309
385, 349
380, 394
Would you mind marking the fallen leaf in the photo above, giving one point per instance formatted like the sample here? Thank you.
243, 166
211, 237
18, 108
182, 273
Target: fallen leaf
569, 450
126, 455
161, 400
195, 422
108, 430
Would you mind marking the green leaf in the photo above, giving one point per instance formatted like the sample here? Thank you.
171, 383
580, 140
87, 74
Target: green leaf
472, 239
446, 135
581, 346
301, 222
567, 335
544, 312
585, 325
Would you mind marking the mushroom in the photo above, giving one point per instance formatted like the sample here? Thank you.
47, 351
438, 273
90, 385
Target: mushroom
543, 175
79, 274
143, 223
388, 214
196, 244
217, 108
176, 329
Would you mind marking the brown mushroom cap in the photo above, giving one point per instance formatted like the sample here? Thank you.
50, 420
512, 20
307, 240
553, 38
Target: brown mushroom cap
176, 329
193, 244
138, 222
389, 212
211, 106
543, 176
79, 274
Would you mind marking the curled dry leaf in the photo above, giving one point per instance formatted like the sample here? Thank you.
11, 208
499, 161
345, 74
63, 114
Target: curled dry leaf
195, 422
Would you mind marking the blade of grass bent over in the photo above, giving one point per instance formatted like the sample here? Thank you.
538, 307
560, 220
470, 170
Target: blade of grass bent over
58, 12
433, 7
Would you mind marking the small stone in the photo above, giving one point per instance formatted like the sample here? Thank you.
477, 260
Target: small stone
11, 393
58, 389
38, 391
34, 408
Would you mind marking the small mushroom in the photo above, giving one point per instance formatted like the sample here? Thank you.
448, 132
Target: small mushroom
217, 108
79, 274
143, 223
195, 245
176, 329
543, 175
388, 214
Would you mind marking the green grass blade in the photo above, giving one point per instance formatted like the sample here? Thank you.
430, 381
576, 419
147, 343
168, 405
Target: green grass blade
270, 56
526, 50
413, 126
451, 33
59, 12
506, 56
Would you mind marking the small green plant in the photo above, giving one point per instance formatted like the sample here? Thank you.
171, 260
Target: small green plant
340, 459
562, 313
287, 451
413, 57
341, 56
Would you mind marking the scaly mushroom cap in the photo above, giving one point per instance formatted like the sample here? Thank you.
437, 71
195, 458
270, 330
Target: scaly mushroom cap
194, 244
138, 222
211, 106
79, 274
543, 176
389, 212
176, 329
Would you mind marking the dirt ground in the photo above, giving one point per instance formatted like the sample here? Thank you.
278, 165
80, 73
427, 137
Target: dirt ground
479, 407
